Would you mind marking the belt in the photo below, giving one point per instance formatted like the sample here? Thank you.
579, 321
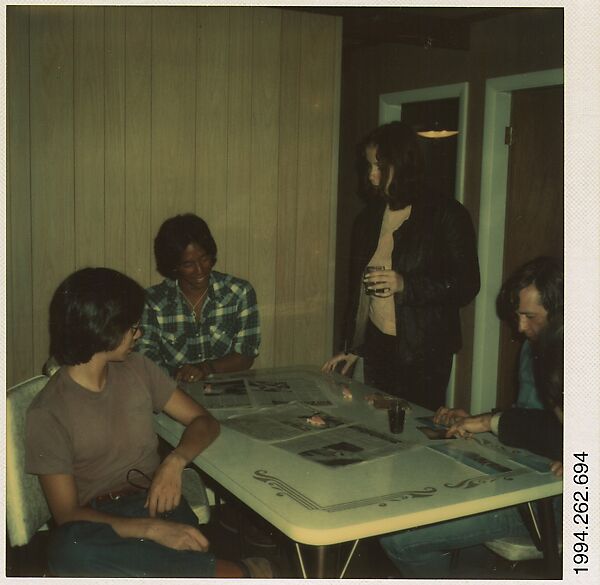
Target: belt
115, 495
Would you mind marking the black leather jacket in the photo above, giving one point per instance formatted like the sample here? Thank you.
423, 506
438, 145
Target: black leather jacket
436, 252
539, 431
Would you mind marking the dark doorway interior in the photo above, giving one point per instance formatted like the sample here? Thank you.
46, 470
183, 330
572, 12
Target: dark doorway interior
439, 153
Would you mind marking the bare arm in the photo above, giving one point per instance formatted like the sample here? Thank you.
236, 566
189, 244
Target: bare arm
201, 430
61, 494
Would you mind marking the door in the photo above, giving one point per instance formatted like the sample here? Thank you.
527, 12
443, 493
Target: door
534, 205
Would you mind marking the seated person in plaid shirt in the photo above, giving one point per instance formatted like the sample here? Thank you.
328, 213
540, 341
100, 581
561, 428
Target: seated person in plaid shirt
197, 321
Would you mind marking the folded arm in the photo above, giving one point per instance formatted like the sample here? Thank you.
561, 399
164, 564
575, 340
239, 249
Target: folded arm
61, 494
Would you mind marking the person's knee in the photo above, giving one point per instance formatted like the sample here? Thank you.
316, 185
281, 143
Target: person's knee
395, 544
71, 545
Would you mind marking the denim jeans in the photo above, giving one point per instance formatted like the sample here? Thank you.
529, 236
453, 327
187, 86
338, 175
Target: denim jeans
94, 549
425, 552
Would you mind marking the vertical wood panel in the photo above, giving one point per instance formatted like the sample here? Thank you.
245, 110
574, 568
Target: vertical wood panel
51, 162
211, 123
122, 116
114, 137
173, 112
19, 306
315, 164
286, 319
138, 96
238, 229
266, 32
88, 98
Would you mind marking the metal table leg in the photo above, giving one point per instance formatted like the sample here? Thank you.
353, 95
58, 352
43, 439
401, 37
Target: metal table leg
324, 561
549, 538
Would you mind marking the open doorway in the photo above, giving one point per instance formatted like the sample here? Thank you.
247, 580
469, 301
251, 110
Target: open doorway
419, 107
436, 125
492, 227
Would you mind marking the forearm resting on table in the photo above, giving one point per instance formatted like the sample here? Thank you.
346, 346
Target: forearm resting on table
197, 436
232, 362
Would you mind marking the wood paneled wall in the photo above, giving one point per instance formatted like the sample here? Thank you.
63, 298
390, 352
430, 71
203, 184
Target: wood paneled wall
119, 117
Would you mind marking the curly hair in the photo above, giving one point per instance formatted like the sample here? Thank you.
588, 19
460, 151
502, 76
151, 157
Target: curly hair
90, 312
175, 235
546, 274
399, 156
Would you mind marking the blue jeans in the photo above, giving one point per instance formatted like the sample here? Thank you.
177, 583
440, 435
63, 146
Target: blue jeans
94, 549
425, 552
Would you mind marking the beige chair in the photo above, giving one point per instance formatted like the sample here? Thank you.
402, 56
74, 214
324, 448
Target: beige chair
26, 507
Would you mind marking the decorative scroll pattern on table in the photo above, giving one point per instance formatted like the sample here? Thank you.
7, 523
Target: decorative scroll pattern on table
284, 489
482, 479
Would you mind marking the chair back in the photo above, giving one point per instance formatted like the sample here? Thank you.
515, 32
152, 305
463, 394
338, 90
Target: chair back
26, 507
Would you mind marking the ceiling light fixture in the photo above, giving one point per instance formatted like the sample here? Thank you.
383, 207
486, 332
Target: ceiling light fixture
437, 133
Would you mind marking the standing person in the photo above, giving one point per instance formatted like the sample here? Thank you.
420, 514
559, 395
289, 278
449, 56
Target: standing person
198, 321
407, 325
528, 300
90, 440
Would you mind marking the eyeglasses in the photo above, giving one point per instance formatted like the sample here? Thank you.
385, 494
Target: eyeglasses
135, 328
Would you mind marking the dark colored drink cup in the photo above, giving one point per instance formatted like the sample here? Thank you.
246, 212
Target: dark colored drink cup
367, 284
396, 415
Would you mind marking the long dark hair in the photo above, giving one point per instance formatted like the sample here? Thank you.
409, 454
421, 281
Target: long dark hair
398, 149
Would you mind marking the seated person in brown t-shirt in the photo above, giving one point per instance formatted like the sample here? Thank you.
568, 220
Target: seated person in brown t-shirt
90, 440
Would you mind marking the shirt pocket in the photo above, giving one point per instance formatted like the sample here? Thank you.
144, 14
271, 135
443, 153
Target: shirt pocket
175, 341
222, 336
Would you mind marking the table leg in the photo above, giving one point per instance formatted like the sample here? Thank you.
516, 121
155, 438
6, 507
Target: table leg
323, 562
549, 538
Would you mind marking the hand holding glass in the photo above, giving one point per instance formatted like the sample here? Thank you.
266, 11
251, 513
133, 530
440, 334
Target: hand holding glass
369, 283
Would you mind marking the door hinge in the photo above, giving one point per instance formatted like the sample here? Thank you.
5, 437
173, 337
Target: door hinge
508, 135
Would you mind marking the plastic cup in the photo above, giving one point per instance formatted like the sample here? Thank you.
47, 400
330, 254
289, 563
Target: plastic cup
396, 416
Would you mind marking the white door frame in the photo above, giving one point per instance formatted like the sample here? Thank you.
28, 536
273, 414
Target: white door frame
390, 109
492, 214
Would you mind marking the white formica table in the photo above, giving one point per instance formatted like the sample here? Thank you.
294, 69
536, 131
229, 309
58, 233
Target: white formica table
319, 505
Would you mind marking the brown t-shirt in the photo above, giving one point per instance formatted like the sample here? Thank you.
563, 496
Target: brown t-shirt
98, 436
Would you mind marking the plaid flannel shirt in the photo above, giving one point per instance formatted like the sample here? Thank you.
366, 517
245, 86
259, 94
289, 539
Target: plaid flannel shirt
229, 322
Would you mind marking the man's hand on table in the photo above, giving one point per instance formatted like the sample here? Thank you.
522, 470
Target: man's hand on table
347, 359
449, 416
189, 373
556, 467
467, 426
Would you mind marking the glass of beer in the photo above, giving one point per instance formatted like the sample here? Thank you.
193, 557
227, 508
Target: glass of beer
367, 283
